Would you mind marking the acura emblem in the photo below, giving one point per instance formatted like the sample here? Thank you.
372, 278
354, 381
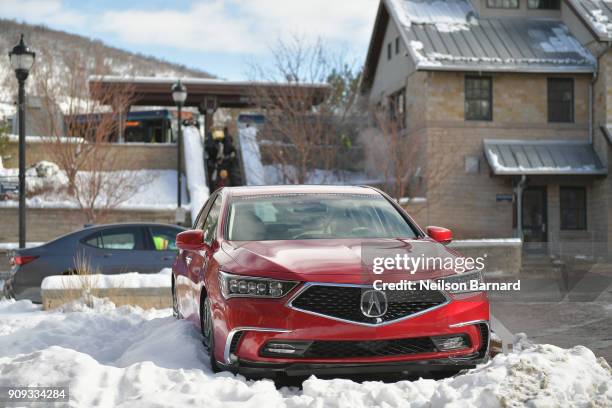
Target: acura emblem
373, 303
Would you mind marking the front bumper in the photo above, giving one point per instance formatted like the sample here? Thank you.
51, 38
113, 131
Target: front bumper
298, 369
246, 326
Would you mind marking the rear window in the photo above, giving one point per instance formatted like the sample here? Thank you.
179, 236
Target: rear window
310, 216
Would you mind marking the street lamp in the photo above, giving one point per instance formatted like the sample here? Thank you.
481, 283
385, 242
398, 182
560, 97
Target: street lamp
22, 59
179, 94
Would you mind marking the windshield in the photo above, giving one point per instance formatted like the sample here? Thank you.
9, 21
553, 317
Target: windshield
310, 216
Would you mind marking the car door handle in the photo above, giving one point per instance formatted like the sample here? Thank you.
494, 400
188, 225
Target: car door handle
167, 258
107, 255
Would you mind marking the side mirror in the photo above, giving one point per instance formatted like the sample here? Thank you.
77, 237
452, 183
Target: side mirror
441, 235
192, 240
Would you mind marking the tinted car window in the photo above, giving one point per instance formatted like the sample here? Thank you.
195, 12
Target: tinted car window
164, 238
327, 216
116, 238
211, 221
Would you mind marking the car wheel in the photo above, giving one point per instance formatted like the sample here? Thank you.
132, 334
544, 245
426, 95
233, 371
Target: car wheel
208, 331
175, 308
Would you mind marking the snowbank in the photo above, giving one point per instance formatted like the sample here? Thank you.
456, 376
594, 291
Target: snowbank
128, 357
156, 189
122, 281
194, 167
254, 173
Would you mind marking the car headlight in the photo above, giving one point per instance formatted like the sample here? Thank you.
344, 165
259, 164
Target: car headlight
463, 282
248, 286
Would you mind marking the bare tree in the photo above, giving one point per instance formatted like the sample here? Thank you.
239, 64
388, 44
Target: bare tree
303, 128
392, 154
83, 120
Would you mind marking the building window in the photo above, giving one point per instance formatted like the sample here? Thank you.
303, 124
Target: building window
397, 45
397, 107
560, 100
573, 208
503, 4
389, 53
478, 98
544, 4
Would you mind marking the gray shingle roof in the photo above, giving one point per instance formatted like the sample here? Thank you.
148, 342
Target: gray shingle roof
449, 35
556, 157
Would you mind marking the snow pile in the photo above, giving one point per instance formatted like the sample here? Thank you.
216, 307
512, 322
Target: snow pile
254, 174
155, 189
194, 166
122, 281
128, 357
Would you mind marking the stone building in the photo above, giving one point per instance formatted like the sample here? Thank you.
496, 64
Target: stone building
509, 102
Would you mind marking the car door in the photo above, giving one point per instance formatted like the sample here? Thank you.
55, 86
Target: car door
187, 271
161, 247
115, 250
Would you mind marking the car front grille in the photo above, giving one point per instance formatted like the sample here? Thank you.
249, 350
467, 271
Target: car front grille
344, 302
376, 348
235, 341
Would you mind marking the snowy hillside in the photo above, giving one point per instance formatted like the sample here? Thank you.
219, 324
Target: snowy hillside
61, 47
128, 357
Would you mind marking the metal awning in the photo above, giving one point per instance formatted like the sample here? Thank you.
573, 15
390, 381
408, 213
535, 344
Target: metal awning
550, 157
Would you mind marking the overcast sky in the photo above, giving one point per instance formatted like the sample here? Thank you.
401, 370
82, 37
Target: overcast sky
219, 36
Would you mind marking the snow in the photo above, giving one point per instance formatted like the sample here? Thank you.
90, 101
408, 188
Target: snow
123, 281
9, 246
156, 190
447, 15
251, 156
463, 243
277, 174
45, 139
128, 357
598, 18
499, 166
194, 167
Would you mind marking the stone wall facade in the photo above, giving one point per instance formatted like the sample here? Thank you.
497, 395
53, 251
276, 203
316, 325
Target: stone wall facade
467, 202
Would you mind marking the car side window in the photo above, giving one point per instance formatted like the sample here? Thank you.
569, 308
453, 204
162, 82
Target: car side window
210, 225
126, 238
199, 222
164, 238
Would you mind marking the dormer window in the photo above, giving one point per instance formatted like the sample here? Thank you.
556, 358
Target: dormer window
544, 4
503, 4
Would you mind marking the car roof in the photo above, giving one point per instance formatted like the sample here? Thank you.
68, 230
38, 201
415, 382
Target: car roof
100, 227
134, 224
246, 191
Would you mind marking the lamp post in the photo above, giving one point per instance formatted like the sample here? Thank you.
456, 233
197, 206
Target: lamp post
179, 94
22, 59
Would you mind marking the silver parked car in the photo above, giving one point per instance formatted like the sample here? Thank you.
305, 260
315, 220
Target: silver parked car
106, 249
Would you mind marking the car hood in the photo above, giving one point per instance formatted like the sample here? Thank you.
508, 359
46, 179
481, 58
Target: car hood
339, 261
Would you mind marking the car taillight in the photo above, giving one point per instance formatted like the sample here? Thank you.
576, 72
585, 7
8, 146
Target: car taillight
19, 260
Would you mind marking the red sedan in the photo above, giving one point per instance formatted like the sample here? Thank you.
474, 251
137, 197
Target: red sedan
280, 281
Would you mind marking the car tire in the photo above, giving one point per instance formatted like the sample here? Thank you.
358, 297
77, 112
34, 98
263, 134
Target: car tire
208, 332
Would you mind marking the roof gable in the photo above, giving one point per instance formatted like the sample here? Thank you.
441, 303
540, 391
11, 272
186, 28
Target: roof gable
449, 35
597, 15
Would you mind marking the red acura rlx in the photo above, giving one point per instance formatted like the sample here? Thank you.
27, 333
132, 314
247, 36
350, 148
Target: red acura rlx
279, 280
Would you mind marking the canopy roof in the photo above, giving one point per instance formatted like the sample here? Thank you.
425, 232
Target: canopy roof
154, 91
554, 157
